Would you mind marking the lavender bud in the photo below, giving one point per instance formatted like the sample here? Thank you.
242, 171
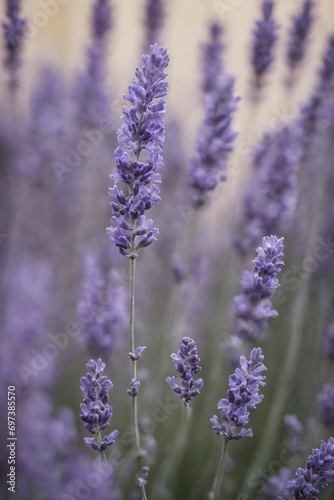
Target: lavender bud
134, 388
137, 354
186, 362
244, 385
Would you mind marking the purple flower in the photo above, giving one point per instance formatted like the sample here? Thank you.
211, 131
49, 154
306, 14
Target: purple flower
90, 90
253, 307
102, 311
264, 41
242, 395
154, 18
96, 413
14, 32
327, 70
212, 52
329, 342
142, 130
214, 143
318, 473
271, 199
298, 35
186, 362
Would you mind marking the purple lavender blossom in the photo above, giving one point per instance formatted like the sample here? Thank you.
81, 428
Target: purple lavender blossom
14, 32
142, 130
253, 307
212, 52
299, 34
186, 362
326, 402
243, 393
327, 71
154, 18
102, 311
271, 200
96, 413
214, 143
90, 89
264, 41
317, 475
276, 484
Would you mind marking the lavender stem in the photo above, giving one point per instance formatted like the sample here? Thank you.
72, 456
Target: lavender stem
216, 487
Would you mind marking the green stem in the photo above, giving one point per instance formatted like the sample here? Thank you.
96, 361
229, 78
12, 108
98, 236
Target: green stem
216, 487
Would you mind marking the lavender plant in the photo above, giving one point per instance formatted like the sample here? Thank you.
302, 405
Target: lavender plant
298, 35
14, 31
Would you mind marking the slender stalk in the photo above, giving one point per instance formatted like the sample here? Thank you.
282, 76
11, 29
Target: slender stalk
216, 487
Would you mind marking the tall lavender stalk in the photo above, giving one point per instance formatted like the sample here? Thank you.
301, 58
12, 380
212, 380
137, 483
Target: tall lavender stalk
142, 132
299, 34
264, 41
14, 31
154, 18
243, 393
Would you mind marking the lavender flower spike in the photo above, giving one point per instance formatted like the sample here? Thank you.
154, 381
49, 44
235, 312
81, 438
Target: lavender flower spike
14, 32
214, 143
318, 473
212, 59
154, 18
186, 362
142, 130
264, 40
299, 33
253, 307
96, 413
243, 394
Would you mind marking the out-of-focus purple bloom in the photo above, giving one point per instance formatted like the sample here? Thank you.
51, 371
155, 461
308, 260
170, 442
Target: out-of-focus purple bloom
298, 35
294, 425
253, 307
14, 32
326, 402
96, 413
142, 130
329, 342
154, 18
327, 71
90, 90
271, 199
214, 143
276, 484
212, 59
318, 473
186, 362
242, 395
102, 312
264, 40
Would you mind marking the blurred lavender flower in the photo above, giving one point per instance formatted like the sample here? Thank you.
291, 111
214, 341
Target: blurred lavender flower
329, 342
326, 402
214, 143
91, 95
317, 475
212, 53
253, 307
276, 484
96, 413
142, 130
271, 200
264, 41
186, 362
244, 385
294, 425
103, 311
154, 18
326, 73
14, 32
298, 35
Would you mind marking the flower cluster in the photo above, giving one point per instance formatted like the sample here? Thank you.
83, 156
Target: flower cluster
214, 143
299, 33
14, 32
253, 307
142, 130
264, 40
186, 362
271, 199
243, 393
317, 474
154, 18
102, 311
96, 413
212, 59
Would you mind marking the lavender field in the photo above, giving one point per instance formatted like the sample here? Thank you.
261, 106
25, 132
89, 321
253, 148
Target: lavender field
167, 250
